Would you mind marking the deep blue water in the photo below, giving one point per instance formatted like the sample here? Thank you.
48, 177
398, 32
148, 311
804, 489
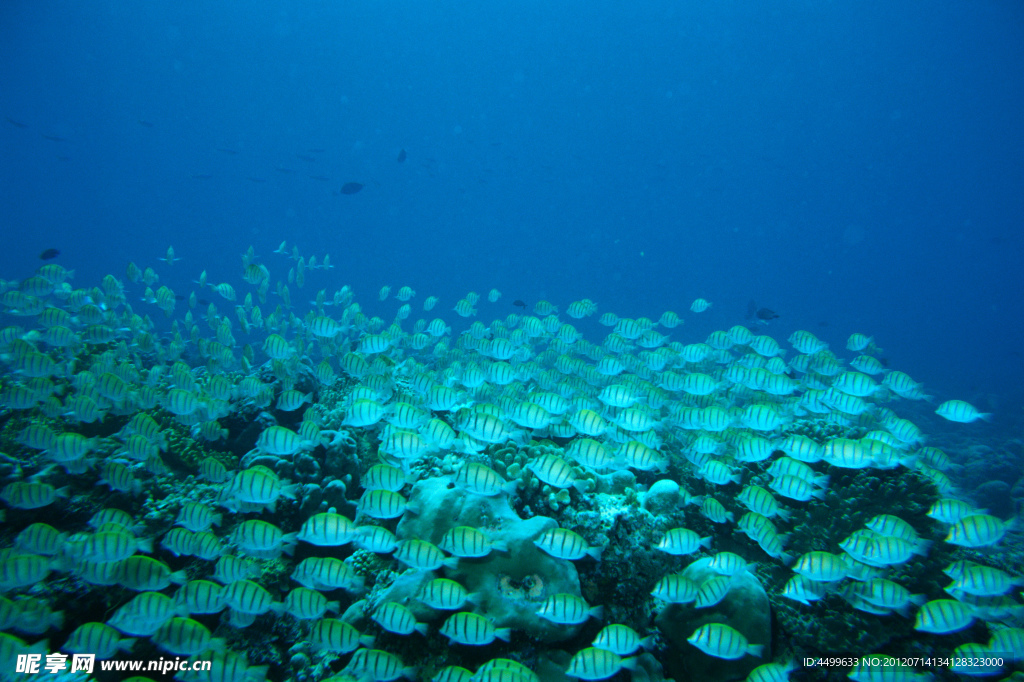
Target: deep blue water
853, 166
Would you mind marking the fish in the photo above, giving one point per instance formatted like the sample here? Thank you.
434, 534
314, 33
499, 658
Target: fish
16, 124
398, 619
675, 588
762, 315
722, 641
169, 257
337, 636
352, 384
307, 604
49, 254
960, 411
598, 664
351, 187
519, 304
401, 156
942, 616
700, 305
621, 640
568, 609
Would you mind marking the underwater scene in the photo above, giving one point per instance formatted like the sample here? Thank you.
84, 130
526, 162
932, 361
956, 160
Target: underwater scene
519, 342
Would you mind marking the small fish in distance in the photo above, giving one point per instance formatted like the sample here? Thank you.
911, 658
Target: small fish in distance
762, 315
351, 187
49, 254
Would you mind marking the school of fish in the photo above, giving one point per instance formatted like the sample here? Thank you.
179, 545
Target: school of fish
100, 381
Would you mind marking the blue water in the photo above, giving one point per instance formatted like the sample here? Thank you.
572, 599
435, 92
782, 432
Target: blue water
853, 166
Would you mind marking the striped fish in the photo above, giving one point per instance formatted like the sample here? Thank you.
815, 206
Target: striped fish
821, 567
144, 614
398, 619
621, 640
245, 596
327, 573
568, 609
142, 573
680, 541
443, 594
263, 539
381, 666
327, 530
466, 541
382, 504
712, 591
22, 570
555, 471
99, 639
473, 629
594, 663
977, 530
942, 616
675, 588
566, 544
960, 411
423, 556
480, 479
337, 636
279, 440
31, 494
304, 603
200, 597
185, 637
721, 641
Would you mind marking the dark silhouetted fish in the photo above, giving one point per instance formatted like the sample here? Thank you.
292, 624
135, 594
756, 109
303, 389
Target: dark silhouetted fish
145, 124
401, 156
49, 254
762, 315
321, 178
519, 304
227, 150
351, 187
54, 138
16, 124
